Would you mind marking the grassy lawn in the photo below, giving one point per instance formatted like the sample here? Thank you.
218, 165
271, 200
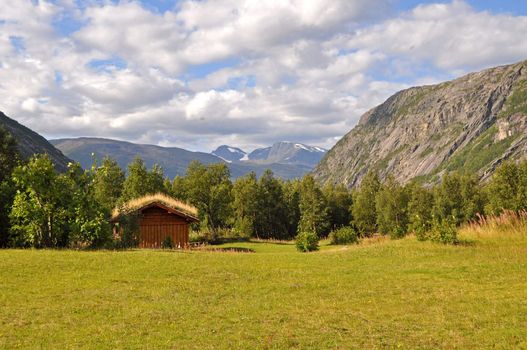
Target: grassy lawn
390, 294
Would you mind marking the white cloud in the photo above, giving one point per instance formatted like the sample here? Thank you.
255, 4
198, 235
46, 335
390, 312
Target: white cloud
450, 36
244, 72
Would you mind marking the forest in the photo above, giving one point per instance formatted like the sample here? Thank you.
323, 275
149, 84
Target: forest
42, 208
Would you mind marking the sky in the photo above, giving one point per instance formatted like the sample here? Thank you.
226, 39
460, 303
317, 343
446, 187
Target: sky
247, 73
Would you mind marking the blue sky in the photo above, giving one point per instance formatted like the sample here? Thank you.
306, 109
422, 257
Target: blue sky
247, 73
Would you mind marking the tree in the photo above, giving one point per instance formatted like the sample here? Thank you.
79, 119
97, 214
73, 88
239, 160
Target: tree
507, 189
363, 208
245, 204
209, 189
155, 180
179, 188
38, 215
392, 208
291, 197
339, 202
420, 210
9, 158
313, 208
457, 198
108, 180
88, 220
141, 182
271, 219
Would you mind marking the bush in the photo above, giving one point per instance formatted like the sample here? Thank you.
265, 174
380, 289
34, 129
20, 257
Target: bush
344, 235
167, 243
128, 232
444, 231
306, 241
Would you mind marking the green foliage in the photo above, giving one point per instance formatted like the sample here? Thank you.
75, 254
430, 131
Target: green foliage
458, 198
52, 210
363, 207
179, 188
39, 213
306, 242
517, 101
291, 197
344, 235
127, 231
245, 204
9, 158
87, 218
209, 188
313, 208
420, 211
271, 221
141, 182
339, 201
167, 243
392, 208
478, 154
444, 231
507, 189
108, 180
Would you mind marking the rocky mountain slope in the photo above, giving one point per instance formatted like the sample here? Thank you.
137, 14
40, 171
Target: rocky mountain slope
30, 143
470, 124
173, 160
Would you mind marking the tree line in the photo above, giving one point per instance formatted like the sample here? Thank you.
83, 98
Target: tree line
40, 207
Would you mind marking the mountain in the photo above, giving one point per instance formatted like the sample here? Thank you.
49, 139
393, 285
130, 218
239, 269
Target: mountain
173, 160
229, 154
288, 153
470, 124
30, 143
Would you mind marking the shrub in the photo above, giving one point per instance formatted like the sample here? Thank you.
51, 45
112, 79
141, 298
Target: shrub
306, 241
167, 243
344, 235
128, 231
444, 231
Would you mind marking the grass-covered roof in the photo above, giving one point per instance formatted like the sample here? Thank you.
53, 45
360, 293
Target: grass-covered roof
158, 198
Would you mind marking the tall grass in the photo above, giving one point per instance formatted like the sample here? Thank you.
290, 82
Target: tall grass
507, 224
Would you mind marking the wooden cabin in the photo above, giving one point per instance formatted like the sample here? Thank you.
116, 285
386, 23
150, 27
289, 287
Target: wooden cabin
159, 217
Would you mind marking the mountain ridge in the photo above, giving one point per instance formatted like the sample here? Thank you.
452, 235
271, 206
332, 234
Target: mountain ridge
470, 124
30, 143
173, 160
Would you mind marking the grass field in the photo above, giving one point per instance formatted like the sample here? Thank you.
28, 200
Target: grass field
386, 294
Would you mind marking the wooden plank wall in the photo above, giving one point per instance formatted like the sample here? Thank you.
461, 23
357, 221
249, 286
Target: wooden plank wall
156, 224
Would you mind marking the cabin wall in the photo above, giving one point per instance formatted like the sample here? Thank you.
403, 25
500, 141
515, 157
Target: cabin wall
156, 224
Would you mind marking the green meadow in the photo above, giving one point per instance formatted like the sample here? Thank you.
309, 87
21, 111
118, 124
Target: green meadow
378, 294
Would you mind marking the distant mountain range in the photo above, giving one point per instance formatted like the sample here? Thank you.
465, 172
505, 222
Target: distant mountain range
281, 152
30, 143
286, 159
